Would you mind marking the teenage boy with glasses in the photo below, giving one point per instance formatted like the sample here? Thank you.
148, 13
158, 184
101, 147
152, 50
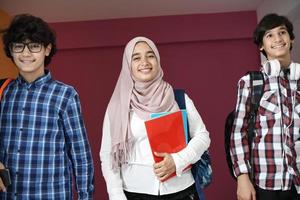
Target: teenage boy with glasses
43, 137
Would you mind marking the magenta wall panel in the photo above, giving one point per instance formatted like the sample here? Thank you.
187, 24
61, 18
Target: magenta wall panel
204, 54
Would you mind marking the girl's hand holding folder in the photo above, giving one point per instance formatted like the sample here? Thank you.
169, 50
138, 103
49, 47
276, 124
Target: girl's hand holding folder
164, 168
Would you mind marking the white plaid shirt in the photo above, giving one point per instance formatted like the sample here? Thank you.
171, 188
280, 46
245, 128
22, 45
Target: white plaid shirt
276, 164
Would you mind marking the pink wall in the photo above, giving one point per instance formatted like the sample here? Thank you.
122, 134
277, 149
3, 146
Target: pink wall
205, 54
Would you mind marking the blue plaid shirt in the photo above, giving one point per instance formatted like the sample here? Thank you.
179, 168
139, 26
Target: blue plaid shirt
44, 141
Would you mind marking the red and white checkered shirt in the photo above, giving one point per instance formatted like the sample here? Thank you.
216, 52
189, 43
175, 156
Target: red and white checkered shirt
277, 140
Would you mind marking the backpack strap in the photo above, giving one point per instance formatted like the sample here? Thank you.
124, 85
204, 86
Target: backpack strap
257, 85
3, 84
257, 90
180, 99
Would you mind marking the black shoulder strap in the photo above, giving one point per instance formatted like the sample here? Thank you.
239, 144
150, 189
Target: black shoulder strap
256, 92
179, 97
257, 88
3, 84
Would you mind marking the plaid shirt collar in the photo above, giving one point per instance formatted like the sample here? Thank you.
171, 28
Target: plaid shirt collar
38, 82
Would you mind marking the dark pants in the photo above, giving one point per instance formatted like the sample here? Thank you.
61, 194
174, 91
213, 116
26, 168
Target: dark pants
277, 194
187, 194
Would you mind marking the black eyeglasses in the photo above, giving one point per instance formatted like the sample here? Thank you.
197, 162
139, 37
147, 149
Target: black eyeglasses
34, 47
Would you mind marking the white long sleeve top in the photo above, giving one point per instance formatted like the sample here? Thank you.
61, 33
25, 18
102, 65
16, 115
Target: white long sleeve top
138, 174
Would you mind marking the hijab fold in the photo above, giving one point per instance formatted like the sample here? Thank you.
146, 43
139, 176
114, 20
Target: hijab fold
143, 97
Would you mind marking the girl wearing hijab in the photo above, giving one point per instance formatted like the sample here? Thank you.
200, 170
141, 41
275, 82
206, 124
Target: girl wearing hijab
126, 159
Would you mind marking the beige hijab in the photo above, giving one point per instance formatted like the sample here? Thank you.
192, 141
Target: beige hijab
143, 97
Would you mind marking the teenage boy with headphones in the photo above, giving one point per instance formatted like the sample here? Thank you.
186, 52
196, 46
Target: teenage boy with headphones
43, 138
275, 146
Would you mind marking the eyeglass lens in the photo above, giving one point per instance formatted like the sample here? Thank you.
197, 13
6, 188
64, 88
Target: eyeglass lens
33, 47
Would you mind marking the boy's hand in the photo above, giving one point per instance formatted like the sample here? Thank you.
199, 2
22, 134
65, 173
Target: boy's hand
164, 168
245, 189
2, 187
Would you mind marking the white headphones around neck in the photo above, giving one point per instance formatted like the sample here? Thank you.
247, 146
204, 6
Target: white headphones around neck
272, 68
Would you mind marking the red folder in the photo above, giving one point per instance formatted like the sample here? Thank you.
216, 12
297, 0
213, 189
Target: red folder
166, 135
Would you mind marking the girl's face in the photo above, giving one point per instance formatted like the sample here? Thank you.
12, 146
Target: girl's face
144, 65
277, 43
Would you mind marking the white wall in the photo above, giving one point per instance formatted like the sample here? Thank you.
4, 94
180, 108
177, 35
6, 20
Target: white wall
290, 9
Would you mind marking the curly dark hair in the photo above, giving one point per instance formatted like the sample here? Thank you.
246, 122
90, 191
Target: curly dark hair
268, 22
28, 27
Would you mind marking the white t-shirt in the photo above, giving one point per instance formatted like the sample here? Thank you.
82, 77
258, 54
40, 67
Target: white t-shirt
138, 175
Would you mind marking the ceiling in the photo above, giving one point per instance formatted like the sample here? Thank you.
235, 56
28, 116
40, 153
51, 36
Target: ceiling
85, 10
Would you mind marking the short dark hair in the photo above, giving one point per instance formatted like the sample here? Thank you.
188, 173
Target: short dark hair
268, 22
28, 27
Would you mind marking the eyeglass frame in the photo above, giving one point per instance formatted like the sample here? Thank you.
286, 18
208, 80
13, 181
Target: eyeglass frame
26, 44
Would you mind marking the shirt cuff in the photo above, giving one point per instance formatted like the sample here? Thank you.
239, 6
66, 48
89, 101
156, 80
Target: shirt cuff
180, 166
242, 167
85, 195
